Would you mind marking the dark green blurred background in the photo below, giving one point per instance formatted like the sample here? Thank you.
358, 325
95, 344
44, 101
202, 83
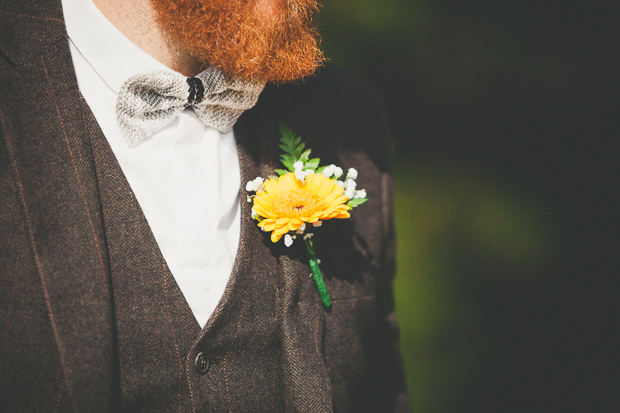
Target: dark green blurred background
505, 121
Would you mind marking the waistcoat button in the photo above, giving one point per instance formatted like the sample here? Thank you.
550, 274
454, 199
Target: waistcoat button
201, 362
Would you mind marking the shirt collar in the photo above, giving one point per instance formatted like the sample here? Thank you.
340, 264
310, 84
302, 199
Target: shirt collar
113, 56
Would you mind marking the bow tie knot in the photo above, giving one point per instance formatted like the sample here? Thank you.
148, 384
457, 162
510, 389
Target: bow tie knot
196, 91
148, 102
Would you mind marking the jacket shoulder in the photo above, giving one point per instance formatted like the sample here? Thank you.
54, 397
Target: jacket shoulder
333, 88
333, 110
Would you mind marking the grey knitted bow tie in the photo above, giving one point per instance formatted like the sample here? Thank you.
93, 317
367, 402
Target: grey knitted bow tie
146, 103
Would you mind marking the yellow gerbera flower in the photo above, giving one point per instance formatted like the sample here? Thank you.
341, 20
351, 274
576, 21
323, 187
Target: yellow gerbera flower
287, 203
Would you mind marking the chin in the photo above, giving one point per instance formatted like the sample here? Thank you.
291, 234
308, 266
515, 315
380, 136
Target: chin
269, 40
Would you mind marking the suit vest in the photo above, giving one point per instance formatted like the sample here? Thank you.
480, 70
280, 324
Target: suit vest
92, 320
166, 362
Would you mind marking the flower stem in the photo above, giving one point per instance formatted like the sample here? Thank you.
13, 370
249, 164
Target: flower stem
316, 275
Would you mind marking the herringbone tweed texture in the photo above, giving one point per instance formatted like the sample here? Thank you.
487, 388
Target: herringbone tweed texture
91, 319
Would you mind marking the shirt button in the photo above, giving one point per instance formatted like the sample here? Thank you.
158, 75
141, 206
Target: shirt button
201, 362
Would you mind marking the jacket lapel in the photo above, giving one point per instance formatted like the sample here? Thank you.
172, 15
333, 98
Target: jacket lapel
301, 315
52, 159
42, 121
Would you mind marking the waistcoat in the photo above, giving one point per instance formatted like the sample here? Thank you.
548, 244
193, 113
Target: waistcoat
165, 361
90, 317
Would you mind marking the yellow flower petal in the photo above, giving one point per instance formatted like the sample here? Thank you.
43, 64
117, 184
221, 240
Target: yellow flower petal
268, 225
288, 202
334, 194
314, 183
271, 188
281, 231
261, 210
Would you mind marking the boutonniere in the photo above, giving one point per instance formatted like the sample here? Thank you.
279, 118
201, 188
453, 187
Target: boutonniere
301, 198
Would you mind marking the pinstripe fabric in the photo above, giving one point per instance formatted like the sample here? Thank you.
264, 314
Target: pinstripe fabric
154, 324
90, 317
60, 317
158, 337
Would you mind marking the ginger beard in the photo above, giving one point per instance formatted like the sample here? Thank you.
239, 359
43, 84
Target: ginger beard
270, 40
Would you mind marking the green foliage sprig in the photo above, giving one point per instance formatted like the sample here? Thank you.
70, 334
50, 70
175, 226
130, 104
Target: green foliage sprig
294, 152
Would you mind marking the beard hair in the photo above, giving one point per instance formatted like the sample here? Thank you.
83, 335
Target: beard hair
269, 40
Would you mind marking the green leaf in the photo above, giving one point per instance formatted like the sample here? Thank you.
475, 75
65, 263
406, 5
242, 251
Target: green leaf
313, 163
289, 140
356, 202
281, 172
305, 156
292, 146
288, 158
286, 132
287, 163
296, 140
299, 149
285, 148
321, 169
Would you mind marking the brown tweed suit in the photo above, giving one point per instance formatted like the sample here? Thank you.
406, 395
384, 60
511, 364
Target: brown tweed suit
91, 319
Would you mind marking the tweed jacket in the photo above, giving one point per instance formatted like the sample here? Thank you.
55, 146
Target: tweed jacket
65, 208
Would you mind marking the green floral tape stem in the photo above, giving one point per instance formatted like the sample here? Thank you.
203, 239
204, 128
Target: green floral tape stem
317, 276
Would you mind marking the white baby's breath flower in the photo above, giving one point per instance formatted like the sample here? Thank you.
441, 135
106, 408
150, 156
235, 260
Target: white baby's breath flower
302, 174
301, 229
258, 182
299, 170
350, 184
329, 171
340, 183
360, 194
338, 172
317, 224
352, 173
349, 188
308, 235
254, 214
288, 240
255, 185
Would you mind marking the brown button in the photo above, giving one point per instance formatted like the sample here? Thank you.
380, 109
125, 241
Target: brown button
201, 362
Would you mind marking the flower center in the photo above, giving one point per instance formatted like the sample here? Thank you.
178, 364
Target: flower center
297, 203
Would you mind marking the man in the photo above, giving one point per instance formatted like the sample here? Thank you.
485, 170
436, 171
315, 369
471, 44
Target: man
131, 278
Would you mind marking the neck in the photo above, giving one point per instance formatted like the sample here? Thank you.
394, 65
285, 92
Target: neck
137, 20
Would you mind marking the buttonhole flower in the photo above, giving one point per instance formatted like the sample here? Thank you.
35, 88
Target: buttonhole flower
303, 193
288, 203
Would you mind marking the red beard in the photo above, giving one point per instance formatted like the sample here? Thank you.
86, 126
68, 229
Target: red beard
271, 40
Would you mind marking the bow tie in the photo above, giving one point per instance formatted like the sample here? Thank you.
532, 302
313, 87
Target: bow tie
146, 103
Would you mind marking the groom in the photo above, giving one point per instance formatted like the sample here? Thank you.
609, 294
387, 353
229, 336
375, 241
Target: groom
133, 277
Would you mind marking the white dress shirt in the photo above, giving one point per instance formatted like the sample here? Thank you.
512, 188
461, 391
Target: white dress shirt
185, 177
